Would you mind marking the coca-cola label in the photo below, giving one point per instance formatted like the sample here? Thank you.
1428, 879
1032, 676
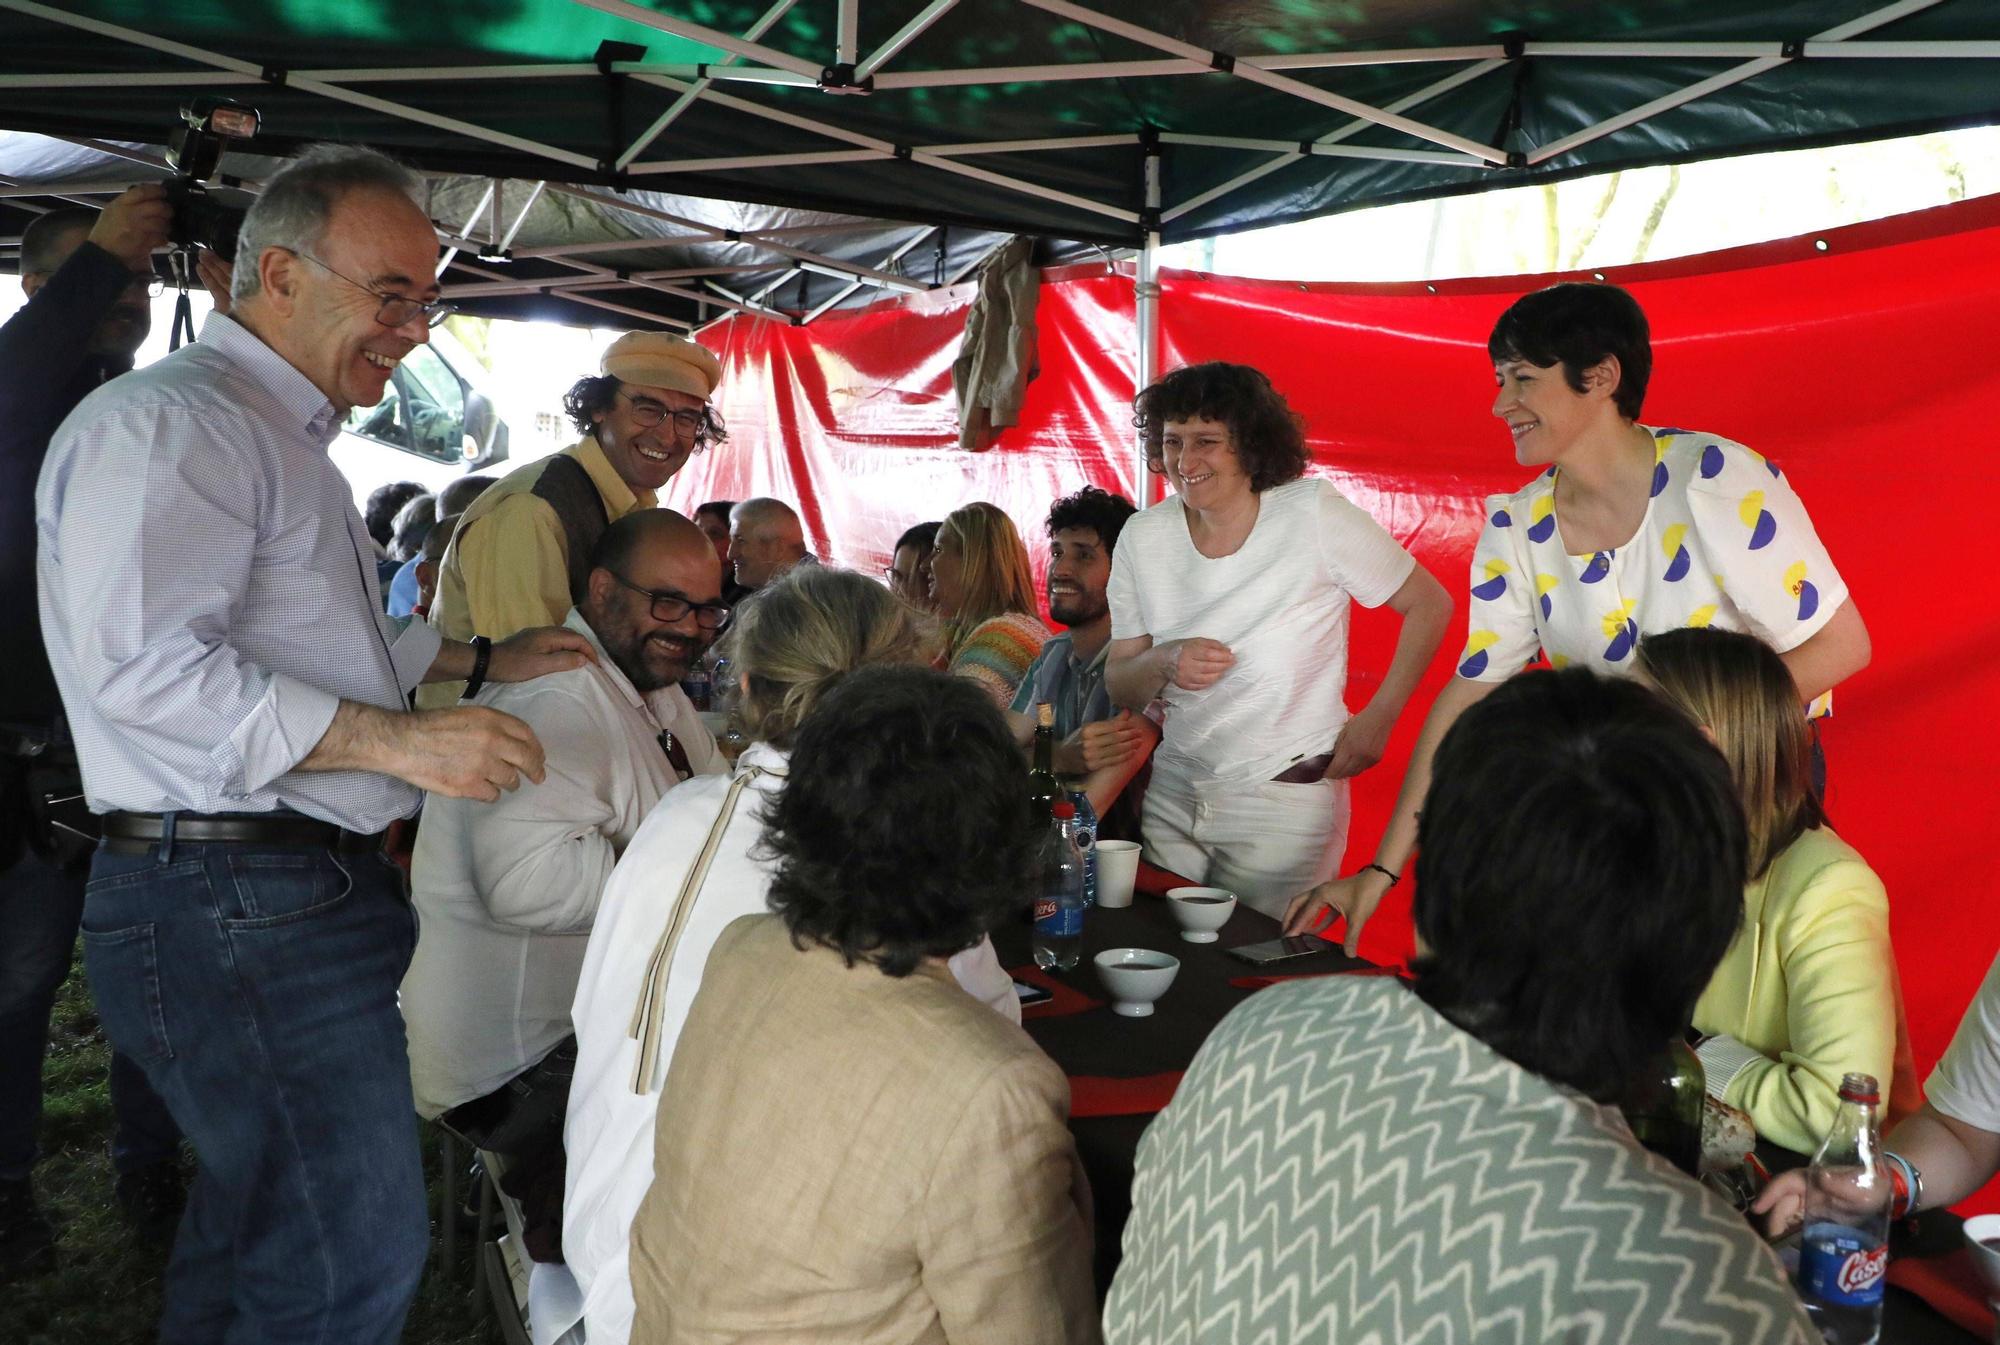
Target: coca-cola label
1839, 1266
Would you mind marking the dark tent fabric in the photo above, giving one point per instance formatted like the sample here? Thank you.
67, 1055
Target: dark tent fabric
1017, 116
1860, 369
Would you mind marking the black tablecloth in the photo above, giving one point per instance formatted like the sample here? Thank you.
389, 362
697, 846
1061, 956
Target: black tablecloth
1096, 1041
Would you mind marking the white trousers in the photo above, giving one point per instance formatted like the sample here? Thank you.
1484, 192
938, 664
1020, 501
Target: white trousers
1265, 842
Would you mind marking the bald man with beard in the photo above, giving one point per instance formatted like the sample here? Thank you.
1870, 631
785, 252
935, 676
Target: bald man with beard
506, 892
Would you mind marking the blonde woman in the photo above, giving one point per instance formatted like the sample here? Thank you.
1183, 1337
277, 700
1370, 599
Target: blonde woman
1807, 992
984, 592
796, 640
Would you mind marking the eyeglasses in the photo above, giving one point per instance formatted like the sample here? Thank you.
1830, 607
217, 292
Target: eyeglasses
671, 607
648, 414
396, 309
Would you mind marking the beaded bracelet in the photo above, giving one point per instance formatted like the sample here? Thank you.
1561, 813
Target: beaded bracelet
1393, 878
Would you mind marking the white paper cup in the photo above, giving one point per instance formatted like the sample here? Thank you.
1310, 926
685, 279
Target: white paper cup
1117, 870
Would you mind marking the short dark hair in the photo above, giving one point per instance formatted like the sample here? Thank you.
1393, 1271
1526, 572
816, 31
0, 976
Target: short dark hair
1580, 875
1577, 325
1270, 437
461, 491
592, 396
1098, 510
719, 508
922, 536
384, 503
41, 240
888, 745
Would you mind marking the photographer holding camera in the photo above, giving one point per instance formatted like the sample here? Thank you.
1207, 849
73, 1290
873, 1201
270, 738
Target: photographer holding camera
89, 279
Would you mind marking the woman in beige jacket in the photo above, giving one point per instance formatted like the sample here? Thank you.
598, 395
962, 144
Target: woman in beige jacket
850, 1147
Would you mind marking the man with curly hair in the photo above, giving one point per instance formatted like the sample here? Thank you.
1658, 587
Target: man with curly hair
1230, 601
520, 557
1103, 746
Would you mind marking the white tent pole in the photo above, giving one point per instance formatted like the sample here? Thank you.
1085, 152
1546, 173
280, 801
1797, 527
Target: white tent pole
905, 35
1748, 70
739, 162
507, 239
847, 32
1352, 128
902, 250
747, 48
1429, 156
686, 100
722, 235
587, 299
917, 156
71, 189
1147, 314
1269, 79
230, 63
965, 147
451, 252
1039, 74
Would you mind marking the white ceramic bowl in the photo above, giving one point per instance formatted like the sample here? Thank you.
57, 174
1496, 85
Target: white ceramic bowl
1985, 1259
1135, 977
1201, 911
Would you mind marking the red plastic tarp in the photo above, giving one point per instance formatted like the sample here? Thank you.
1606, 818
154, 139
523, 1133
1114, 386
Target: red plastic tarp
1861, 360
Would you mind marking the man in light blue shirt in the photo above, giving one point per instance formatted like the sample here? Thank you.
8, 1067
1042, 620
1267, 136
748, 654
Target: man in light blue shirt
1103, 747
239, 707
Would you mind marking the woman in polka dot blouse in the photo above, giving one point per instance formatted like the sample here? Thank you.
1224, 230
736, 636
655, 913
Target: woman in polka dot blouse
1627, 531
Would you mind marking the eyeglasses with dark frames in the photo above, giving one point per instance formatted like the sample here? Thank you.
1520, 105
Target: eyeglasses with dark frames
671, 607
396, 309
649, 414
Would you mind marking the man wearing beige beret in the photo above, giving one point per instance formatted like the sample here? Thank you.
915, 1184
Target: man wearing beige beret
518, 558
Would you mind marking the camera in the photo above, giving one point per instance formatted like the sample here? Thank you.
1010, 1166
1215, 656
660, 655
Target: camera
194, 151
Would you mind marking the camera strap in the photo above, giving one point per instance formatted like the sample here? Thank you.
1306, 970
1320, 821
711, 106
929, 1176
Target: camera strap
182, 262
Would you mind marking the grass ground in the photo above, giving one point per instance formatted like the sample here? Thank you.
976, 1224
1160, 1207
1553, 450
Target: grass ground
106, 1290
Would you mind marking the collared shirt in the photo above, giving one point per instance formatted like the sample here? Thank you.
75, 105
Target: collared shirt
1073, 688
507, 891
208, 591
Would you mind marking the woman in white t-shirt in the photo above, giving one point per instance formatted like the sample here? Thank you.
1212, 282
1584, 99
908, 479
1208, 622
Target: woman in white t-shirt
1629, 531
1229, 600
793, 644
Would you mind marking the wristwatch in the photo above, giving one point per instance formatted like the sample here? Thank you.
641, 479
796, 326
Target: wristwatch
482, 654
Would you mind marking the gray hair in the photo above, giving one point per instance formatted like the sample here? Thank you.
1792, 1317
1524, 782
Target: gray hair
297, 202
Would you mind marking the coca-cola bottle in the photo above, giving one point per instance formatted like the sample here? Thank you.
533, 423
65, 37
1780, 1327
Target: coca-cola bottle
1844, 1252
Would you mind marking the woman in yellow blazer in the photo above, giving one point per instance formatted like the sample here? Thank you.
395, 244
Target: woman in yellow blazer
1807, 992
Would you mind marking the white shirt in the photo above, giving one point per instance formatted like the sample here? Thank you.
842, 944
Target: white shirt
506, 891
609, 1135
208, 592
1280, 602
1725, 542
1966, 1083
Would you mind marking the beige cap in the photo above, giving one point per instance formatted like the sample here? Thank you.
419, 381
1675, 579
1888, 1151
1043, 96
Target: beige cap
659, 360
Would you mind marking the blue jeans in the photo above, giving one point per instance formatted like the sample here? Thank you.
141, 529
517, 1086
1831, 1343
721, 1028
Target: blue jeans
257, 986
39, 907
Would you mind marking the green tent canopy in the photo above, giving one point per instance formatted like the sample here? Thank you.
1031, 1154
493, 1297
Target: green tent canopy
889, 143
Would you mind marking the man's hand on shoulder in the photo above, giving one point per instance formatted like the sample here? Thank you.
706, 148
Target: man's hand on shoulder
537, 653
466, 752
134, 224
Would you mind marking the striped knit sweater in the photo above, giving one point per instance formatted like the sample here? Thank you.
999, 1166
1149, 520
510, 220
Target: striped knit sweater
997, 652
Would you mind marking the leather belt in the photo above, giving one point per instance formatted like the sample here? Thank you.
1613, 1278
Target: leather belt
1305, 772
136, 833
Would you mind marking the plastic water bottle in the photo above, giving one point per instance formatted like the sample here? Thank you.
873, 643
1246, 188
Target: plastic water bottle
1058, 937
1844, 1253
1086, 841
696, 685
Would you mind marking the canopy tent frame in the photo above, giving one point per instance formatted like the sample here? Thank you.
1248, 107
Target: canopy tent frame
1135, 208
